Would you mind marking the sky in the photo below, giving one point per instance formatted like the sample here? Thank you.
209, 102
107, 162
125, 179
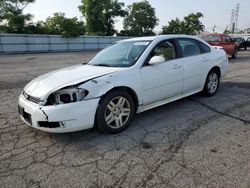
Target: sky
216, 12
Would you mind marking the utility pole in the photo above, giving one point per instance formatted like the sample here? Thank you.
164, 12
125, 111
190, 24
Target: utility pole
232, 20
214, 28
233, 28
237, 10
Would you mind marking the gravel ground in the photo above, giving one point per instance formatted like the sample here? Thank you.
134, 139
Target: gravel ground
193, 142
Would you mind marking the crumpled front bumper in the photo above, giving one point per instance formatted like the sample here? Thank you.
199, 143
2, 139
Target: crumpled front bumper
71, 117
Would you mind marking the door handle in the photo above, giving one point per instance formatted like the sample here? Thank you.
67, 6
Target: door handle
176, 66
205, 60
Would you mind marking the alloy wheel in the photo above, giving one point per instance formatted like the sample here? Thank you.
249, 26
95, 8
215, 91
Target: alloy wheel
117, 112
213, 82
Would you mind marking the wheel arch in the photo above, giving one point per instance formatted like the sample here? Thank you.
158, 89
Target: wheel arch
205, 89
98, 121
130, 91
215, 68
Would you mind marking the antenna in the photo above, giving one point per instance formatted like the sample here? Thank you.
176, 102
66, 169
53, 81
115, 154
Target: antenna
237, 15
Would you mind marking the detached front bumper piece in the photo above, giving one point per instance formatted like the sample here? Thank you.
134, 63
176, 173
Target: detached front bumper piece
58, 118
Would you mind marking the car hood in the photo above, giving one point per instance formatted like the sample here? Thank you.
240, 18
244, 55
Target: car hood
44, 85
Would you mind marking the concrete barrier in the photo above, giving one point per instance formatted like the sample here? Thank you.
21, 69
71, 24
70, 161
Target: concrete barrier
29, 43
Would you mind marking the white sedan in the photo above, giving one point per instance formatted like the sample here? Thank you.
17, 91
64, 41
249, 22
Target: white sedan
128, 77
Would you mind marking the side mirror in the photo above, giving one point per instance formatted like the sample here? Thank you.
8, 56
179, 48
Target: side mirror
156, 60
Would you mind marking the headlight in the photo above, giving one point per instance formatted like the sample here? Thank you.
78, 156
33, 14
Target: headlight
67, 95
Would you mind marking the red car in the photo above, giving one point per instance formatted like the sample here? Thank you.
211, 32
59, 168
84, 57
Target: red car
224, 41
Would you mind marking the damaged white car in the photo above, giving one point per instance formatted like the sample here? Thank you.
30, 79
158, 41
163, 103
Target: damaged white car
128, 77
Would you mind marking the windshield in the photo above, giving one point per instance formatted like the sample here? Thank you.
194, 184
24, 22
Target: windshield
122, 54
238, 39
211, 38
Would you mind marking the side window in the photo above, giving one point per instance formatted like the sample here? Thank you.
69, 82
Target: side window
189, 47
229, 39
235, 39
224, 38
165, 49
204, 48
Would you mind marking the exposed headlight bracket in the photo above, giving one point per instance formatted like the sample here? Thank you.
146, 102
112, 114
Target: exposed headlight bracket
67, 95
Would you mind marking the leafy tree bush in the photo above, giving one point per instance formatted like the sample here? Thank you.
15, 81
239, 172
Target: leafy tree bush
60, 25
100, 15
12, 19
141, 20
190, 25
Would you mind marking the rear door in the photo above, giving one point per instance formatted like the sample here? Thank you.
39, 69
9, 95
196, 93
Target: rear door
195, 61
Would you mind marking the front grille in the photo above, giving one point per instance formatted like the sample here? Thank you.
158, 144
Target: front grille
47, 124
31, 98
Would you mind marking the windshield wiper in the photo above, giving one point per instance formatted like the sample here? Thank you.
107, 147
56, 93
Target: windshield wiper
102, 64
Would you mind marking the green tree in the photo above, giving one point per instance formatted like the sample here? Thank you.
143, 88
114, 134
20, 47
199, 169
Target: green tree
141, 19
190, 25
1, 10
100, 15
174, 27
226, 31
12, 19
59, 24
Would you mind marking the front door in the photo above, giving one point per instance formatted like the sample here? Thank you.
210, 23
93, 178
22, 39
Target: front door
228, 45
163, 80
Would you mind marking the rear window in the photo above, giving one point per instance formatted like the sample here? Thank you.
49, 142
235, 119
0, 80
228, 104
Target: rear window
204, 47
240, 39
211, 38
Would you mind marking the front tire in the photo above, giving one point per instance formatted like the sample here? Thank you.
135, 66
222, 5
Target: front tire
115, 112
212, 83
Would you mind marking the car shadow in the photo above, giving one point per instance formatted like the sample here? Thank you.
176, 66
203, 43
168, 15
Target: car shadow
245, 85
243, 57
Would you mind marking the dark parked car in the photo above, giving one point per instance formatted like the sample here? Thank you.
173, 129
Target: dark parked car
241, 41
248, 42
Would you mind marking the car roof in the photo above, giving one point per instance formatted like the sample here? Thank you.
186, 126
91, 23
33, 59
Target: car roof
151, 38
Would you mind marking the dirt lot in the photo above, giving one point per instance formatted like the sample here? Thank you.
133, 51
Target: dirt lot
194, 142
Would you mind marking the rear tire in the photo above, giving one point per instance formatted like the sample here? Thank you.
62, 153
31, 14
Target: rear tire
235, 54
115, 112
212, 83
